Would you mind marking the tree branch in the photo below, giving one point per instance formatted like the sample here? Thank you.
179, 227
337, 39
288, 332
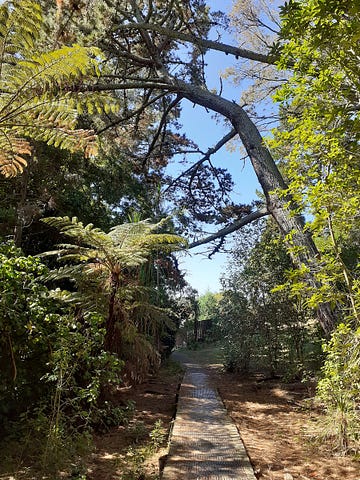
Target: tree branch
232, 228
140, 84
162, 123
206, 157
131, 114
207, 44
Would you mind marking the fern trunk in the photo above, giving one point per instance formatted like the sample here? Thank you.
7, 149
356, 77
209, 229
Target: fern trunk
109, 342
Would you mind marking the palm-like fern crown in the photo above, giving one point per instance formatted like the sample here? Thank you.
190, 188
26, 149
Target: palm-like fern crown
36, 101
126, 246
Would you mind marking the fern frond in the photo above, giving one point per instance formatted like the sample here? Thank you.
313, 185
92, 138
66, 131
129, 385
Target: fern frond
64, 138
75, 299
62, 273
135, 232
37, 98
12, 150
139, 236
130, 257
158, 315
20, 23
125, 233
55, 70
72, 227
166, 242
73, 253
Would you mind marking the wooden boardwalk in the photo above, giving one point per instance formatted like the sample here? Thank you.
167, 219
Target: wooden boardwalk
205, 443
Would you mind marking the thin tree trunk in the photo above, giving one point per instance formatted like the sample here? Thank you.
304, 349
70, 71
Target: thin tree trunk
20, 209
110, 321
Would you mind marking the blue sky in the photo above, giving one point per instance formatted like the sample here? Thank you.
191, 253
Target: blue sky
203, 273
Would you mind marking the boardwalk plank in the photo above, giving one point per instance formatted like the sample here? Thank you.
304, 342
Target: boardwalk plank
205, 443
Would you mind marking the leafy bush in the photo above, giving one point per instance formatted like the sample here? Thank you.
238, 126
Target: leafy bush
28, 324
53, 367
339, 389
263, 326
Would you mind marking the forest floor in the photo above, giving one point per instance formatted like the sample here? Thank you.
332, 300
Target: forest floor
136, 451
278, 424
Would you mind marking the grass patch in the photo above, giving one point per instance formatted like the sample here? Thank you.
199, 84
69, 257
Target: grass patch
171, 368
205, 354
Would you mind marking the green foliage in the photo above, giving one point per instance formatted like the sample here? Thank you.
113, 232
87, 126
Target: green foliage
319, 142
157, 435
263, 328
339, 389
115, 266
319, 137
186, 307
209, 311
28, 320
102, 190
172, 368
131, 243
108, 415
236, 328
37, 98
53, 368
132, 462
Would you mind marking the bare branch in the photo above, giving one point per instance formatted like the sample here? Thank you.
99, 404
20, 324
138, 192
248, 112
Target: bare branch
206, 44
140, 84
162, 123
137, 59
206, 157
131, 115
143, 32
232, 228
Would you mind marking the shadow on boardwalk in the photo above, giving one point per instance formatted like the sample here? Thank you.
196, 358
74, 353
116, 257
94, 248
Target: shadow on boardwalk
205, 443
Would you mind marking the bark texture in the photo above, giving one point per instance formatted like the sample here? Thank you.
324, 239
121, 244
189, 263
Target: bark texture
290, 224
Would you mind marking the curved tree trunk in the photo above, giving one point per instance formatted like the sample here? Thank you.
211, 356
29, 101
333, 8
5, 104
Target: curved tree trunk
271, 180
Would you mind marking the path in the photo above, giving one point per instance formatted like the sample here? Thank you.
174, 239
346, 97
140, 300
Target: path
205, 444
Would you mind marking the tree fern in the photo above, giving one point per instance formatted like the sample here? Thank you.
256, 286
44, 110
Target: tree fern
111, 263
127, 245
37, 101
142, 234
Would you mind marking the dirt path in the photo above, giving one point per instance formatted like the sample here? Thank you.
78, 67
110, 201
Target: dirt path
205, 443
279, 426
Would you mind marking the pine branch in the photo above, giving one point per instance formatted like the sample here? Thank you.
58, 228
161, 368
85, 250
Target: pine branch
133, 114
205, 158
162, 123
232, 228
154, 83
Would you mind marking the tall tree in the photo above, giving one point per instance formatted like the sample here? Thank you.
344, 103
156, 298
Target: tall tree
36, 105
319, 138
145, 43
71, 181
